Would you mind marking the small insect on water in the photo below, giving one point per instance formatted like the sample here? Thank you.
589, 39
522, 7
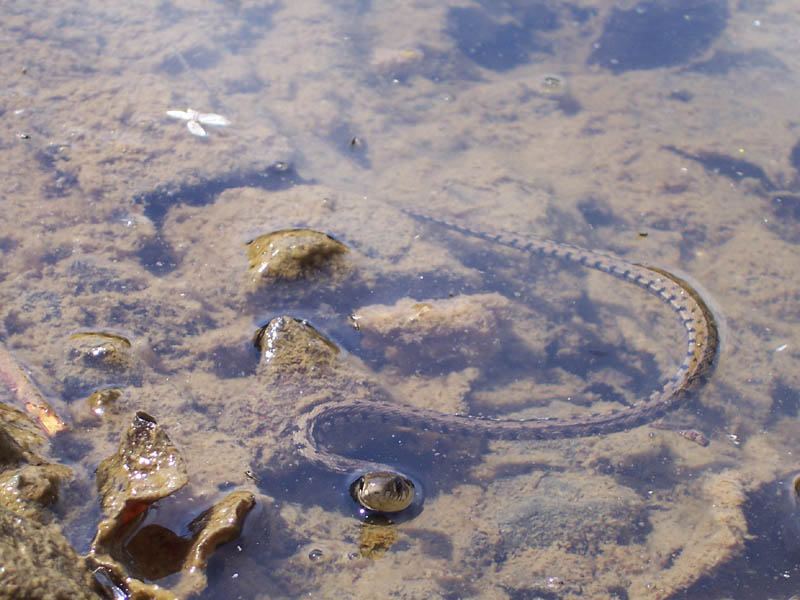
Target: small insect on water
194, 119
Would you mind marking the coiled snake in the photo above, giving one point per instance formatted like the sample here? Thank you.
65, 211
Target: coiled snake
387, 489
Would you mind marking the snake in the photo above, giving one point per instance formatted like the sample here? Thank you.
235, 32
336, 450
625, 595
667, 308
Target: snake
381, 489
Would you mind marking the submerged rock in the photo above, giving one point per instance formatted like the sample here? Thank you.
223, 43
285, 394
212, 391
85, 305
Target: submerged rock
103, 400
96, 359
36, 561
28, 483
465, 329
289, 344
27, 490
290, 254
299, 369
147, 468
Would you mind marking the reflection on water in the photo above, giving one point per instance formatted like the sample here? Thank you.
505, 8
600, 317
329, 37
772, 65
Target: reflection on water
640, 129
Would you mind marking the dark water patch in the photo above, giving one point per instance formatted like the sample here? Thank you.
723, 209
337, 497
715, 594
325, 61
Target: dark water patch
794, 156
595, 354
256, 21
279, 176
786, 212
45, 304
232, 361
61, 184
530, 593
198, 57
733, 168
169, 12
501, 37
71, 446
568, 105
156, 255
513, 360
723, 61
618, 593
346, 140
579, 14
692, 237
327, 304
250, 84
47, 157
62, 180
785, 402
658, 34
266, 541
786, 206
15, 323
78, 511
309, 485
651, 469
92, 279
437, 461
769, 566
432, 543
172, 65
597, 213
56, 254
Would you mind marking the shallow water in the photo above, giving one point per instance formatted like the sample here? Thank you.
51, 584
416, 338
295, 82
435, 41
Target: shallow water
663, 132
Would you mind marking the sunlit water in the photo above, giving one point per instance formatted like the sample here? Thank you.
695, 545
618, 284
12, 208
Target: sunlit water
664, 132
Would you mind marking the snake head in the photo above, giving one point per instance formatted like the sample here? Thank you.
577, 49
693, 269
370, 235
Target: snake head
383, 491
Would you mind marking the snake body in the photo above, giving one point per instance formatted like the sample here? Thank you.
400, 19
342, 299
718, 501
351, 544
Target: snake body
701, 345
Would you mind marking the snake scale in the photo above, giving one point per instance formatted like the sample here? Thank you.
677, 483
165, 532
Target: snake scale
701, 346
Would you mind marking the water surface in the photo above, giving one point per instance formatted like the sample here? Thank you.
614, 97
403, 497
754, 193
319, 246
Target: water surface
664, 132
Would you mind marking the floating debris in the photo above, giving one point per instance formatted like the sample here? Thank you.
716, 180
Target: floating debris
194, 119
694, 436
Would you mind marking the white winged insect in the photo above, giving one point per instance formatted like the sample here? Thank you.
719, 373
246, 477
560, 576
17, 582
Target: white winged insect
194, 118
